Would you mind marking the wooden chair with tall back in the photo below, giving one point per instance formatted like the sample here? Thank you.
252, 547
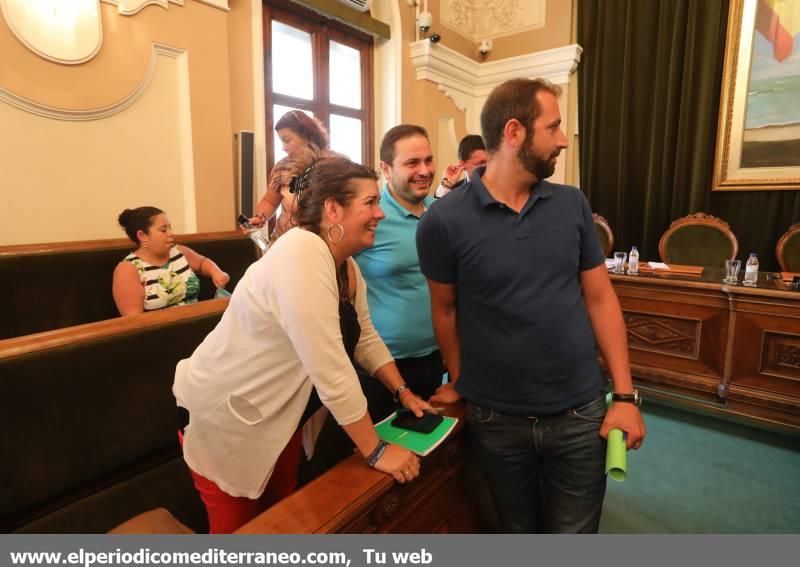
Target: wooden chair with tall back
788, 249
604, 233
698, 239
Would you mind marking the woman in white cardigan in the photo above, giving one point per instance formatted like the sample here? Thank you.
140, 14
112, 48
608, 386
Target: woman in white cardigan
297, 321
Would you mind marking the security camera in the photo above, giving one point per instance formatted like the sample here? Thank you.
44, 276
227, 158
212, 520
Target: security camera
435, 38
425, 20
485, 47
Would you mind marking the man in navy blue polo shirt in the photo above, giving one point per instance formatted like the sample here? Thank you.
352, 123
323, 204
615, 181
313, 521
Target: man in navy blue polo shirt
520, 300
397, 292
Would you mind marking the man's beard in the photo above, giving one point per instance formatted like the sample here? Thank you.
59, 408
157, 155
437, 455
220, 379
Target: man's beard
541, 168
408, 193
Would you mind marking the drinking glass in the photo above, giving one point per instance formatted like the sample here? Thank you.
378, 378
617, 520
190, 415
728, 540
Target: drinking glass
619, 262
732, 268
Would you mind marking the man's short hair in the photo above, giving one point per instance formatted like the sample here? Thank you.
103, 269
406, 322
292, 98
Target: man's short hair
469, 144
396, 134
514, 99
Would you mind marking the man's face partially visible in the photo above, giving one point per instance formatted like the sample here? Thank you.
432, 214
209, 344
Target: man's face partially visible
476, 159
545, 140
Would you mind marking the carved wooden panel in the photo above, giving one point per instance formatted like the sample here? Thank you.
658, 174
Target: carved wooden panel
663, 334
387, 507
781, 355
731, 350
766, 358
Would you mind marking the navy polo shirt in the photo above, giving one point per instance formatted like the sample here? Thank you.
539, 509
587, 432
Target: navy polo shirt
527, 345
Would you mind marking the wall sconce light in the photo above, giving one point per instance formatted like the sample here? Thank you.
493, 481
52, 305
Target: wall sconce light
485, 47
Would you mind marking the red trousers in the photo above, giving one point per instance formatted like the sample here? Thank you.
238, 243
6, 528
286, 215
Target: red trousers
227, 513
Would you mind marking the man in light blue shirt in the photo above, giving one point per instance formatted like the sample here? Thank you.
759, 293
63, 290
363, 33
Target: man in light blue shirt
398, 297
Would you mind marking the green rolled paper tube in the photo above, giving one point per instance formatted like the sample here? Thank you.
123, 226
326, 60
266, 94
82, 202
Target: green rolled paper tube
616, 456
616, 452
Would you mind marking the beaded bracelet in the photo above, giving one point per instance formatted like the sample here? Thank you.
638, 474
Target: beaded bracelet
373, 457
400, 390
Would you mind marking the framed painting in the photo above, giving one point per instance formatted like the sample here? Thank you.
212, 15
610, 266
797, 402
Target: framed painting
758, 137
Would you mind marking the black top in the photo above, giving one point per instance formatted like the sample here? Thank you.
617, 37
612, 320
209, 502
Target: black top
351, 328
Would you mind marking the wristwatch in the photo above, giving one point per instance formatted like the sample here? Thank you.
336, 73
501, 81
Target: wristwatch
633, 398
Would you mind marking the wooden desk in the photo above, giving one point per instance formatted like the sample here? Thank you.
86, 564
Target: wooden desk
725, 348
352, 498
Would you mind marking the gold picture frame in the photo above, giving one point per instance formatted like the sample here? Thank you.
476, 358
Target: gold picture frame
758, 136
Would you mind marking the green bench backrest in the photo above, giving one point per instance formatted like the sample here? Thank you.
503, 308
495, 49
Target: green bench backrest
89, 425
67, 287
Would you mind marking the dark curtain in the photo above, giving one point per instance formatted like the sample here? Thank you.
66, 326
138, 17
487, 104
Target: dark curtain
649, 89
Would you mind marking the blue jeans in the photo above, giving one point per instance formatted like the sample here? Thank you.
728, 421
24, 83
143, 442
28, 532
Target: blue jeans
547, 473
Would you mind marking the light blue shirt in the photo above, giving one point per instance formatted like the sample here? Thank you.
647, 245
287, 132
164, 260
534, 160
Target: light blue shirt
397, 292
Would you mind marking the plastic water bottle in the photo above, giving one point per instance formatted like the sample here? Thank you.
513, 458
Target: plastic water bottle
751, 270
254, 233
633, 261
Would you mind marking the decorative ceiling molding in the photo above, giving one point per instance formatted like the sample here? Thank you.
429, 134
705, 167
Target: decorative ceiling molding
459, 73
468, 82
65, 33
131, 7
55, 113
221, 4
478, 20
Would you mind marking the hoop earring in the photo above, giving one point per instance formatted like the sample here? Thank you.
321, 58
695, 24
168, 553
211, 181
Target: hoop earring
341, 229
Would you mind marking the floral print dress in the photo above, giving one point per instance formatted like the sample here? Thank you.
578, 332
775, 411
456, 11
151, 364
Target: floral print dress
172, 284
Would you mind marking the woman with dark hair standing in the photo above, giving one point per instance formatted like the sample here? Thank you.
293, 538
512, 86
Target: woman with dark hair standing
158, 273
297, 322
304, 140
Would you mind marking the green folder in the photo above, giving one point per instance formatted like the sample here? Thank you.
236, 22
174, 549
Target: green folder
419, 443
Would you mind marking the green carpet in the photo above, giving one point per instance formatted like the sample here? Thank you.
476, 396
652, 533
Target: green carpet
701, 474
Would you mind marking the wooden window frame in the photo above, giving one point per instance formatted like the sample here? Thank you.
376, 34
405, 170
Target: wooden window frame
322, 31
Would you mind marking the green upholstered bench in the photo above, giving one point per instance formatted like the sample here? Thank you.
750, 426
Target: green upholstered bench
90, 426
58, 285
